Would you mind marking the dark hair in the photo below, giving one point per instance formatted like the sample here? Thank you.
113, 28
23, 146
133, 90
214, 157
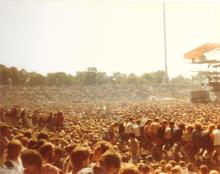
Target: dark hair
24, 141
28, 134
190, 167
103, 146
58, 151
46, 150
182, 126
132, 135
42, 135
14, 145
79, 156
143, 167
32, 144
4, 128
33, 158
109, 160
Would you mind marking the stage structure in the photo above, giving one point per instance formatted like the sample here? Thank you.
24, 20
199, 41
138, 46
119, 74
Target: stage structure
207, 54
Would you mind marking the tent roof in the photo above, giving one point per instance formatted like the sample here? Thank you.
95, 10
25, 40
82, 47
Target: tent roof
198, 53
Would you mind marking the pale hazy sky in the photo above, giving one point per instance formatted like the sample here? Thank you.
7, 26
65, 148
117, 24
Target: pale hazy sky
114, 36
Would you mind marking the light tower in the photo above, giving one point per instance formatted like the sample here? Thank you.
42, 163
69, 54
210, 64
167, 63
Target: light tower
166, 77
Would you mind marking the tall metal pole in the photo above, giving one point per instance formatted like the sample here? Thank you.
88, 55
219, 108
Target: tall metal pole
165, 42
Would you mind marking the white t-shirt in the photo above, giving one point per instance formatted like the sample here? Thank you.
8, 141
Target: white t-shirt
128, 128
5, 170
136, 130
216, 137
18, 166
88, 170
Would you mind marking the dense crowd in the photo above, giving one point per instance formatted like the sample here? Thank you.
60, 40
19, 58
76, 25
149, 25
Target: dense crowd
175, 138
50, 95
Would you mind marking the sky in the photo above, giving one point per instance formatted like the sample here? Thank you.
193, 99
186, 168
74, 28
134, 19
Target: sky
113, 36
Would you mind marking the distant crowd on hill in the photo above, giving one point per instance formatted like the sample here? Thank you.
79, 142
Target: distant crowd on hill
66, 96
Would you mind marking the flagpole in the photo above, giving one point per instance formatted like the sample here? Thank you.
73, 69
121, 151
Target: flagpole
165, 43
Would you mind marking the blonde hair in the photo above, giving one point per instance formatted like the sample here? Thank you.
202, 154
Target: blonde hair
129, 169
213, 172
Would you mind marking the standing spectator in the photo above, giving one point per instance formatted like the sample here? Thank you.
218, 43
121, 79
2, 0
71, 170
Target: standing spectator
178, 133
13, 156
216, 142
32, 162
110, 162
80, 159
137, 130
134, 146
60, 119
2, 115
3, 168
197, 138
99, 149
207, 139
5, 134
57, 157
47, 151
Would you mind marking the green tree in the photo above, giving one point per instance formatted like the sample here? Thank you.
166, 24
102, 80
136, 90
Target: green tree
80, 77
102, 78
60, 79
180, 80
146, 78
4, 75
158, 77
119, 78
132, 79
36, 79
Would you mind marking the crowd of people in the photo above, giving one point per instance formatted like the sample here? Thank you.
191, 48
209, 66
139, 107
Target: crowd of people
126, 138
36, 96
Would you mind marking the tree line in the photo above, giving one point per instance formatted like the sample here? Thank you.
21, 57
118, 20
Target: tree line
91, 76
